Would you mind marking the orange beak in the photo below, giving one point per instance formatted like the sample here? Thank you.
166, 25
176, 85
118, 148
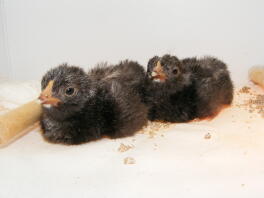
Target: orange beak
158, 72
46, 95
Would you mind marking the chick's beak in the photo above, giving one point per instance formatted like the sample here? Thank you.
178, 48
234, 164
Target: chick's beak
158, 74
46, 95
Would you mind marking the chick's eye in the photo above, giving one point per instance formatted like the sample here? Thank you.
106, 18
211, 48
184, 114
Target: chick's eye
69, 91
175, 71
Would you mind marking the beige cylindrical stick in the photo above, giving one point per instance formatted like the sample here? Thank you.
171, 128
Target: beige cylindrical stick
256, 75
14, 123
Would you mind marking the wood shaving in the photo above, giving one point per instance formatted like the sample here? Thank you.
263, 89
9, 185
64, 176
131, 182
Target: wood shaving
245, 89
254, 103
155, 128
129, 160
124, 148
207, 136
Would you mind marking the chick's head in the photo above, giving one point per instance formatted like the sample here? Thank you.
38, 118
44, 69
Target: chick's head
164, 69
65, 89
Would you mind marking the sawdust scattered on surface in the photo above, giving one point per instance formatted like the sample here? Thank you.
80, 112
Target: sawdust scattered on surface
253, 101
129, 160
155, 128
124, 148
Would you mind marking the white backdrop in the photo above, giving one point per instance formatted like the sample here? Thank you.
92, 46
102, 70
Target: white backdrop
36, 35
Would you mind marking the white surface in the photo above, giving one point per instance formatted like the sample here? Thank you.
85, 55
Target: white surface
176, 162
41, 34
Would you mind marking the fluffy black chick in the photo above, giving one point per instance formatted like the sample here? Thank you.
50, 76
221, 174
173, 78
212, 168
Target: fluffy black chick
182, 90
79, 107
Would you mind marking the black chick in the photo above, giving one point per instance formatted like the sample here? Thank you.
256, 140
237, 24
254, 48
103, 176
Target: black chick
80, 107
182, 90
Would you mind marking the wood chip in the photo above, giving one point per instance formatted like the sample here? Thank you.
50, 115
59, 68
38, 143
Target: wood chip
129, 160
155, 128
124, 148
245, 89
254, 102
207, 136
